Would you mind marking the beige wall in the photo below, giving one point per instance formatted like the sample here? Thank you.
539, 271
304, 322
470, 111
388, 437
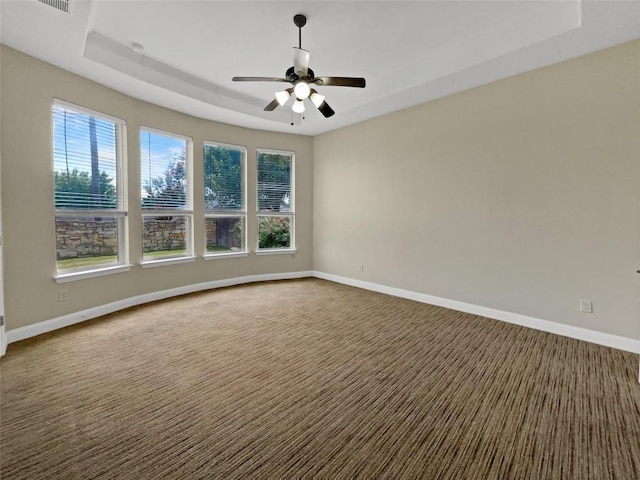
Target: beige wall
28, 89
521, 195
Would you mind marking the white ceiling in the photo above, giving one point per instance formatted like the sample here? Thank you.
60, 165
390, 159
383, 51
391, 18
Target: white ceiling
409, 51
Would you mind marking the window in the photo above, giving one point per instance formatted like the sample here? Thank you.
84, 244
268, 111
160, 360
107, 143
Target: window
224, 198
166, 186
89, 188
275, 200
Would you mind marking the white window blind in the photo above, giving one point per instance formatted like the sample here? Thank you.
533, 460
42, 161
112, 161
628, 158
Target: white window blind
223, 177
85, 151
164, 171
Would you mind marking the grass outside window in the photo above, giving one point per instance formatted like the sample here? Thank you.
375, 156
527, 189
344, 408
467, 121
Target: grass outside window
109, 260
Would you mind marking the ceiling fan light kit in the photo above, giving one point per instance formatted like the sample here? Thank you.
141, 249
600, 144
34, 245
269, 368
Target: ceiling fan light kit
302, 78
298, 106
302, 90
316, 98
283, 96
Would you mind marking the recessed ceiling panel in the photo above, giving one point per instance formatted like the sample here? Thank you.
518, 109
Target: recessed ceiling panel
186, 52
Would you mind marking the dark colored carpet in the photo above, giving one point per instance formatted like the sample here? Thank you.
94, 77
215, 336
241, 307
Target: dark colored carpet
311, 379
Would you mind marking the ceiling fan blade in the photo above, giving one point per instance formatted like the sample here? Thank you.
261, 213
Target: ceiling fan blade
300, 61
259, 79
326, 110
340, 82
272, 106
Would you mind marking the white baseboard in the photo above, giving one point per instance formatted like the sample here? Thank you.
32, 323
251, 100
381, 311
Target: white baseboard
600, 338
45, 326
3, 341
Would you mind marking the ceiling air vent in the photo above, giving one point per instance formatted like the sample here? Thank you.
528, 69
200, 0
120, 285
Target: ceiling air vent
59, 4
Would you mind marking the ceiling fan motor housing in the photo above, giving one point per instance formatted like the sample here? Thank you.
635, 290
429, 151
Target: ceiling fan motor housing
293, 77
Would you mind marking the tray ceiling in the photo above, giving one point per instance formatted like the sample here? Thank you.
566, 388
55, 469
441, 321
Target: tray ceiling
409, 52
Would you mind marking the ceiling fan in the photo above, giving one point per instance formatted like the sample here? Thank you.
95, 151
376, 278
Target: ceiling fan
303, 79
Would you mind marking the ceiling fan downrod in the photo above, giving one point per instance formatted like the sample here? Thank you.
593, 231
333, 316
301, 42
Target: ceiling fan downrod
300, 21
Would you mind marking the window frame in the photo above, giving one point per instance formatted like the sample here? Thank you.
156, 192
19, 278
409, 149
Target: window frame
290, 214
120, 213
187, 212
244, 251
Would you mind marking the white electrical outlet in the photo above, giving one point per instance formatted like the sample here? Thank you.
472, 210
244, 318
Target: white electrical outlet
63, 295
361, 267
586, 306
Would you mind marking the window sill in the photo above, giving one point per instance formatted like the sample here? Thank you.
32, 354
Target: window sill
213, 256
276, 251
99, 272
167, 261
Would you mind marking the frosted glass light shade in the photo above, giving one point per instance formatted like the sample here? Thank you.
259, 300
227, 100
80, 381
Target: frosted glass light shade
300, 61
317, 99
282, 97
302, 90
298, 106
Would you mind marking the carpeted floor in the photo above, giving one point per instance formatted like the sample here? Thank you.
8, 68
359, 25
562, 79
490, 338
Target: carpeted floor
311, 379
